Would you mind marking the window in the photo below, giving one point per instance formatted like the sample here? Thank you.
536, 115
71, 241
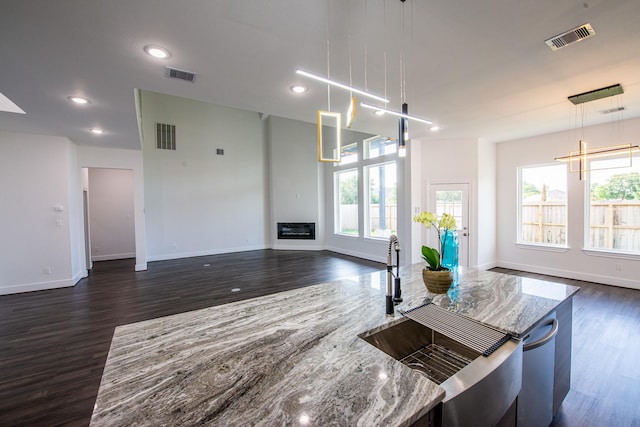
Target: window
365, 196
614, 206
347, 202
379, 146
349, 154
543, 205
382, 209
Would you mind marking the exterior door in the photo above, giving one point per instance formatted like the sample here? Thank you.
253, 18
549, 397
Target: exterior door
454, 199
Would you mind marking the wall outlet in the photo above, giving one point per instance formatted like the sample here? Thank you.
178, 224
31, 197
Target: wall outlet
46, 270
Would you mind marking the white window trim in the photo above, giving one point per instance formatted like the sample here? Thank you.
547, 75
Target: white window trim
547, 247
611, 253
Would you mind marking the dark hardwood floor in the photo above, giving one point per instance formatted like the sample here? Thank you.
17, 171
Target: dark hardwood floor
605, 373
54, 344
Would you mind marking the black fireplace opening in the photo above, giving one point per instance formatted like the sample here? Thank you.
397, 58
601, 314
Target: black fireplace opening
297, 230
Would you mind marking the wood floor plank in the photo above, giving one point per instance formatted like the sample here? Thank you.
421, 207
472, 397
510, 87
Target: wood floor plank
54, 343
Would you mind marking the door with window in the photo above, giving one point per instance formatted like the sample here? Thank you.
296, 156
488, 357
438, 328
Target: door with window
454, 199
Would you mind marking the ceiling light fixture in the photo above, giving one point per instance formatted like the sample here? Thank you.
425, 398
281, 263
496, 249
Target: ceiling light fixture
157, 51
298, 89
403, 132
79, 100
583, 154
434, 128
395, 113
340, 85
96, 131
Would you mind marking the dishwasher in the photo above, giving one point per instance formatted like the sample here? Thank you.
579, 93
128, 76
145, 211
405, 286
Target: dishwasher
535, 401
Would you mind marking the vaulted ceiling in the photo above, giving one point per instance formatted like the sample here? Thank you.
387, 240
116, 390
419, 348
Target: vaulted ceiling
479, 69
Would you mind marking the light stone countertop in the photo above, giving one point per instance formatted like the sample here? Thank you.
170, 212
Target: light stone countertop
295, 358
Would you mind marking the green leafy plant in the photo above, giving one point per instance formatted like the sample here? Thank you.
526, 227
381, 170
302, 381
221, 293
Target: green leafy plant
446, 222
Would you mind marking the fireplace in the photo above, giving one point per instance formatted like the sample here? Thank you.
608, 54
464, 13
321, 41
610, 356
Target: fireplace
297, 230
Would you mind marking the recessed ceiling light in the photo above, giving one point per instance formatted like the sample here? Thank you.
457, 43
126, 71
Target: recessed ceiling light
96, 131
299, 89
157, 51
434, 128
78, 100
379, 113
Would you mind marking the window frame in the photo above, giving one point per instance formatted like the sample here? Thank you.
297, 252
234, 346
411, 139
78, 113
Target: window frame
337, 204
367, 197
520, 242
361, 164
597, 251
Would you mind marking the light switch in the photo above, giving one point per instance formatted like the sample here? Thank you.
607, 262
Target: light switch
58, 223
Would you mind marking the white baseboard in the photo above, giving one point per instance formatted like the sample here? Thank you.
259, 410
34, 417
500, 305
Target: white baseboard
357, 254
487, 266
141, 267
164, 257
41, 286
79, 276
112, 257
576, 275
281, 247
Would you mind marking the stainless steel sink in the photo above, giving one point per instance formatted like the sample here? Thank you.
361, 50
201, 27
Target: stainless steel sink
480, 390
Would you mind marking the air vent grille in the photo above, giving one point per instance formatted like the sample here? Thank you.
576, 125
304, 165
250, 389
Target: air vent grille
175, 73
570, 37
613, 110
165, 137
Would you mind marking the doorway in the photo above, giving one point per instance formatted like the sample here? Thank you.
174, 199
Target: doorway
453, 199
109, 214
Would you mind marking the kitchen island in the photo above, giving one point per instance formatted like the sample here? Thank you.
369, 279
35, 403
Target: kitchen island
295, 358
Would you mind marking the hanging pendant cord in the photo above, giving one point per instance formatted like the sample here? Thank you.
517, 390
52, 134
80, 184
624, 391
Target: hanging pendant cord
366, 43
384, 37
328, 57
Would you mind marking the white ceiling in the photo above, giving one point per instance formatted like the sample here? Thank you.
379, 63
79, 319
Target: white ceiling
480, 69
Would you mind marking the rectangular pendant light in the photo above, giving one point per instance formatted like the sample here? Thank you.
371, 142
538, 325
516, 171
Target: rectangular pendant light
340, 85
395, 113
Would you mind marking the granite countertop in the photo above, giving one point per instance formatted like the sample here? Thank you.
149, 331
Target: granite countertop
295, 358
512, 304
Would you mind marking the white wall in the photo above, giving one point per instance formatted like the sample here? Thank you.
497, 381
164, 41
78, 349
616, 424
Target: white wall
111, 214
573, 263
451, 161
35, 248
487, 199
98, 157
295, 177
197, 202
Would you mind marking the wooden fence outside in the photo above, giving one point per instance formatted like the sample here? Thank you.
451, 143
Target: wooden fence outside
614, 224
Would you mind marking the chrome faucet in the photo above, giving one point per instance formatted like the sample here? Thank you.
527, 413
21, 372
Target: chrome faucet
393, 292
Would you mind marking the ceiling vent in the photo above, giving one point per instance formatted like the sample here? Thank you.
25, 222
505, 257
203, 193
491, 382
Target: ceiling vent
175, 73
570, 37
613, 110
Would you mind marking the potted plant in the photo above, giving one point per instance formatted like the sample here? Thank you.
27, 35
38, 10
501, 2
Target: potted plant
437, 278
